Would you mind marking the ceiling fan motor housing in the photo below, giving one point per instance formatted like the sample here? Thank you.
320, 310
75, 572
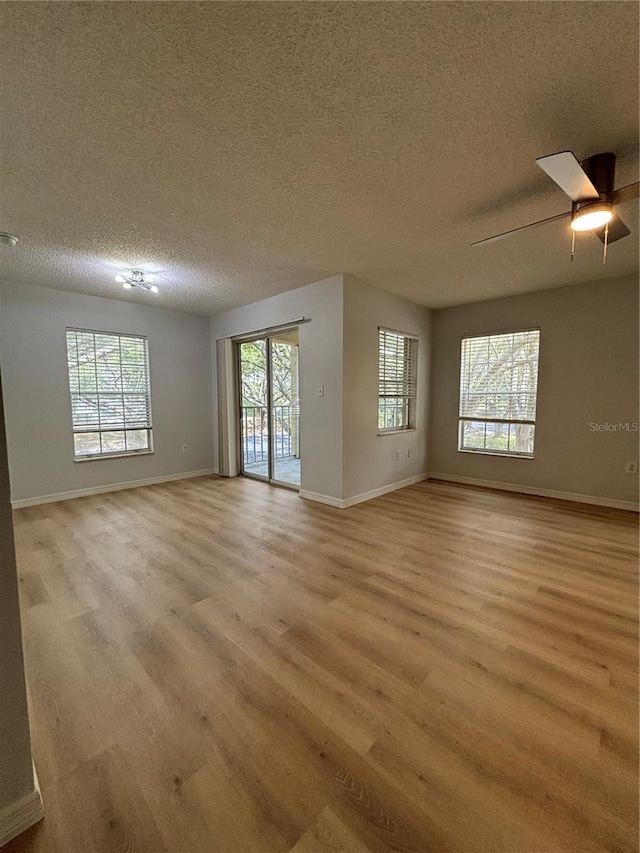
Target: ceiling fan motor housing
601, 171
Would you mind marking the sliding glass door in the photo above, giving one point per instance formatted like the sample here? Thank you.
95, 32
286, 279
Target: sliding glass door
285, 408
270, 408
254, 407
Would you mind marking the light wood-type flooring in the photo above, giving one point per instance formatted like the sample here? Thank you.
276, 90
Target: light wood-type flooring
217, 666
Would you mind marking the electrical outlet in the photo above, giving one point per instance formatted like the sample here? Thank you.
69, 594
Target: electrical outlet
398, 455
631, 468
409, 453
320, 390
185, 448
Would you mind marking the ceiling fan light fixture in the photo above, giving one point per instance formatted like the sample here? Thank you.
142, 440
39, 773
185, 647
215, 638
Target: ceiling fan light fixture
137, 278
591, 216
8, 239
591, 187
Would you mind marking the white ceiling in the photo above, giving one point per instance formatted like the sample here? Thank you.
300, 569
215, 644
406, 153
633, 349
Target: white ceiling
244, 149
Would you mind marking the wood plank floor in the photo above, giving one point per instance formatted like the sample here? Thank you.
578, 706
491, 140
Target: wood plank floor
217, 666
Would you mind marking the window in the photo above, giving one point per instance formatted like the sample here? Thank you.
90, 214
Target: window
397, 380
110, 393
498, 387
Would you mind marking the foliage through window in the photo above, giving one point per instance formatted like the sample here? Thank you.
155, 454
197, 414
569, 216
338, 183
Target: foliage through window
498, 389
397, 380
110, 393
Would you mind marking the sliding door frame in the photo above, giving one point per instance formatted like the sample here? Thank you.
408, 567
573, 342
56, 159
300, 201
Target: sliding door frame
267, 335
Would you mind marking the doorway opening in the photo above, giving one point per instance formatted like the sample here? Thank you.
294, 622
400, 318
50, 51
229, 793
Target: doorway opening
269, 395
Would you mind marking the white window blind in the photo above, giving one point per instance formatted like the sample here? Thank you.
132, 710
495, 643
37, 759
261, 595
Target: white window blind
397, 379
498, 390
110, 393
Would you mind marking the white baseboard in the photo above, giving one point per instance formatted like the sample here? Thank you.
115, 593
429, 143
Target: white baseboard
375, 493
22, 814
534, 490
321, 499
364, 496
112, 487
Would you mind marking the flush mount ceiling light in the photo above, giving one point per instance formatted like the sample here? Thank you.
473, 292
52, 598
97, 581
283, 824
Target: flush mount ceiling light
137, 278
8, 239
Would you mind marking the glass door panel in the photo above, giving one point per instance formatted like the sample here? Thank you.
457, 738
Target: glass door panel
285, 408
254, 408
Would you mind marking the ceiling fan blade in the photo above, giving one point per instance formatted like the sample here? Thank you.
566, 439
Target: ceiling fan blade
627, 193
522, 228
617, 230
564, 169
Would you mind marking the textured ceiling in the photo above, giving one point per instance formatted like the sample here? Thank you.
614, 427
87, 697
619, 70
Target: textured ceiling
243, 149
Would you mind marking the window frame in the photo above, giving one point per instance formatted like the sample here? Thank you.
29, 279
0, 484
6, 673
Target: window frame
409, 400
116, 454
462, 419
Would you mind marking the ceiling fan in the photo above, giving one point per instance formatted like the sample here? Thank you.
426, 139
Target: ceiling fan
590, 186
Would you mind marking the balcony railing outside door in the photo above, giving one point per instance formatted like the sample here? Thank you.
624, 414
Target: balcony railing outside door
255, 433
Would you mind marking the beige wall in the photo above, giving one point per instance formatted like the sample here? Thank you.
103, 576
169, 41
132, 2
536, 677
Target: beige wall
588, 375
36, 386
370, 460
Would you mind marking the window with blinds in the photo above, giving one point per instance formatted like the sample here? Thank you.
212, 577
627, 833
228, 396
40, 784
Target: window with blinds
110, 393
397, 380
498, 389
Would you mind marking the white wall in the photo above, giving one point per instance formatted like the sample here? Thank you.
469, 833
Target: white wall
588, 373
320, 363
370, 459
36, 388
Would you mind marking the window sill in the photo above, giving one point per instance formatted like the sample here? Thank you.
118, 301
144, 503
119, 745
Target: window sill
112, 455
396, 431
495, 453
